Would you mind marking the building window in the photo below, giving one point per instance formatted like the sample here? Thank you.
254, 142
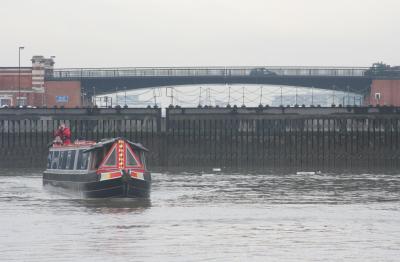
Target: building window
5, 101
378, 96
21, 101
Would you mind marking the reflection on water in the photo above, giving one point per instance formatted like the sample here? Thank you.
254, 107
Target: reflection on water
199, 216
115, 205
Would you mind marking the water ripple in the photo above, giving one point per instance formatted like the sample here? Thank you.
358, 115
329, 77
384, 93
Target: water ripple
207, 217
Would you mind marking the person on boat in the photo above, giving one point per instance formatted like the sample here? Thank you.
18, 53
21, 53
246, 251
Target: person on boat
62, 135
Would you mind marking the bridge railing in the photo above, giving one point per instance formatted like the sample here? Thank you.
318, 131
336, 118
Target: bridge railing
77, 73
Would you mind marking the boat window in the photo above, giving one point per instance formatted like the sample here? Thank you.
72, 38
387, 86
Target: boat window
130, 160
112, 159
72, 165
70, 159
143, 159
82, 160
49, 159
63, 160
98, 157
54, 162
60, 159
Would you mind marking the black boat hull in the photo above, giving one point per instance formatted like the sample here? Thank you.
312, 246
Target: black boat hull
124, 186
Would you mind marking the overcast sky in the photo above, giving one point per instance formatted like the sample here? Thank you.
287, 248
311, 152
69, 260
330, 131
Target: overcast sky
107, 33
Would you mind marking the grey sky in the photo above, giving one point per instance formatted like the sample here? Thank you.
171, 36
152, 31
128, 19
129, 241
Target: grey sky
105, 33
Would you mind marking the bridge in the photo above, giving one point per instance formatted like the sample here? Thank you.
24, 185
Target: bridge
107, 80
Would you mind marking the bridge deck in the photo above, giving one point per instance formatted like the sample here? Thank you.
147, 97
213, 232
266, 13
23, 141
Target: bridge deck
78, 73
107, 80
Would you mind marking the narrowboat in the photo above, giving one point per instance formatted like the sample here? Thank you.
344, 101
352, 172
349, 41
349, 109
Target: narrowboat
109, 168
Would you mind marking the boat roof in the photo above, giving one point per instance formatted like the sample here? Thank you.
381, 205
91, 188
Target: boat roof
105, 142
76, 144
92, 145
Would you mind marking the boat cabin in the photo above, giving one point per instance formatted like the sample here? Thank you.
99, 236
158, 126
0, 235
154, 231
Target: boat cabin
89, 156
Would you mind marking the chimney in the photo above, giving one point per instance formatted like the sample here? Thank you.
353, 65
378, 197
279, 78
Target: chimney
40, 67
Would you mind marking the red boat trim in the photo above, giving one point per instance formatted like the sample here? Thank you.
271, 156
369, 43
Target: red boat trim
110, 175
103, 166
121, 150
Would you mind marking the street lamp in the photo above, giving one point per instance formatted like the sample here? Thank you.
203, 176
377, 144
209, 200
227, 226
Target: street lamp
94, 96
52, 64
19, 71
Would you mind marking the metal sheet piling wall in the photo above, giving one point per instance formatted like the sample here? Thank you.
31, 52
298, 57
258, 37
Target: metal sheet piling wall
247, 138
25, 134
235, 138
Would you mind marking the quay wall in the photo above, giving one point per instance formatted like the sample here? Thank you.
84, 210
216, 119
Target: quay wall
234, 138
26, 134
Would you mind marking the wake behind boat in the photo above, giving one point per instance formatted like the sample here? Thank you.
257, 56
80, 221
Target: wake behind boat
110, 168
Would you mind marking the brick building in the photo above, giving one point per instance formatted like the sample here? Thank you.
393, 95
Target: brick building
385, 92
26, 86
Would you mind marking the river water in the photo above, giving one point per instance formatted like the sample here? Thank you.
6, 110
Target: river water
207, 217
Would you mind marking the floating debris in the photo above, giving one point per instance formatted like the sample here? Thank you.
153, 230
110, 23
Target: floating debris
308, 173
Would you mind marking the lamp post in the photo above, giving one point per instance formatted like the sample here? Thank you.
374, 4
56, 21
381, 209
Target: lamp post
19, 72
125, 96
116, 96
312, 95
94, 96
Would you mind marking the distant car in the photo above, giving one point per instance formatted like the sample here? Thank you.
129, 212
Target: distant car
262, 72
26, 106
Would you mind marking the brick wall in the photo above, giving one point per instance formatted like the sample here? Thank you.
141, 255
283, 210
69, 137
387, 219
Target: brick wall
385, 92
69, 89
10, 82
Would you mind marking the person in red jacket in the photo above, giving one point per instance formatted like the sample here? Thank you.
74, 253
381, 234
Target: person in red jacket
62, 135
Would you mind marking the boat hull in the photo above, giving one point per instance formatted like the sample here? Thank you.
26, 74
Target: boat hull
90, 187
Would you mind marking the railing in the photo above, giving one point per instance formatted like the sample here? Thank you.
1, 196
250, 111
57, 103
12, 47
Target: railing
206, 72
